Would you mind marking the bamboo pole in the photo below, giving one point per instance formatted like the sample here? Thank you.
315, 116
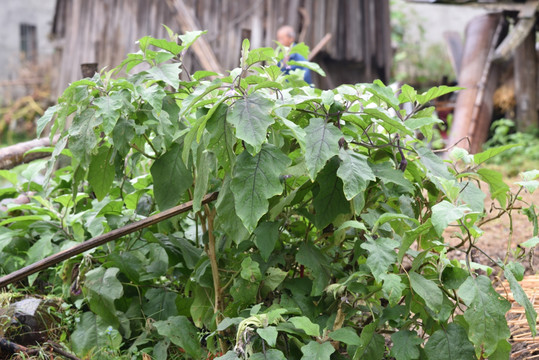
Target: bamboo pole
14, 155
100, 240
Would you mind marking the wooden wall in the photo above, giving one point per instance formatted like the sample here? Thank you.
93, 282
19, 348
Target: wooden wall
104, 31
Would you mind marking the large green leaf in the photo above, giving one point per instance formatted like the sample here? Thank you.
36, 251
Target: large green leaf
169, 73
392, 288
513, 273
205, 166
46, 118
227, 219
101, 172
433, 163
171, 178
316, 351
104, 282
355, 172
444, 213
251, 116
346, 335
266, 236
481, 157
92, 333
329, 200
82, 137
450, 343
405, 345
271, 354
321, 144
108, 108
485, 314
372, 345
381, 255
222, 138
255, 180
160, 304
123, 133
428, 290
182, 333
319, 264
498, 188
305, 324
435, 92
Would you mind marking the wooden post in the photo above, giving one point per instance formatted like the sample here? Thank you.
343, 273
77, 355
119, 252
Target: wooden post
473, 109
525, 84
88, 70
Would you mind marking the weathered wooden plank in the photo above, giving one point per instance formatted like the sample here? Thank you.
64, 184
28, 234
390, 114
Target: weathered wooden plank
470, 120
525, 84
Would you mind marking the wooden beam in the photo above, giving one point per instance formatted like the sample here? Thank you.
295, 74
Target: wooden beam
319, 46
201, 48
525, 84
14, 155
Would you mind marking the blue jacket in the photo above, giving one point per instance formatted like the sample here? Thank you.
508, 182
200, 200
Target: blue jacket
297, 57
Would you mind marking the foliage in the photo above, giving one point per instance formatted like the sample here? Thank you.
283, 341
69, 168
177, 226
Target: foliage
525, 145
326, 240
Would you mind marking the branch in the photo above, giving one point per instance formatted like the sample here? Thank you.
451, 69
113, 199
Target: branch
14, 155
100, 240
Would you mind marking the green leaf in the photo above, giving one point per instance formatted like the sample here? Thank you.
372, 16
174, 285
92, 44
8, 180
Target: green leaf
227, 220
222, 139
269, 334
316, 351
123, 133
381, 255
530, 242
384, 93
355, 172
168, 73
271, 354
171, 178
329, 201
490, 153
388, 174
230, 355
205, 165
161, 304
503, 351
321, 144
435, 92
251, 116
46, 118
82, 137
433, 163
450, 343
250, 270
485, 314
93, 333
308, 65
352, 224
182, 333
319, 264
498, 188
266, 236
255, 180
101, 172
473, 196
372, 344
392, 288
444, 213
104, 282
274, 277
108, 108
408, 94
428, 290
391, 124
345, 335
512, 273
305, 324
190, 37
405, 345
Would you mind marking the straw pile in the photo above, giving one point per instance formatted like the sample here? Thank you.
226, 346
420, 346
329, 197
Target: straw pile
524, 345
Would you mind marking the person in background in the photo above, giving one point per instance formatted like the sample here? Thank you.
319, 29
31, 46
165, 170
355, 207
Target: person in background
286, 36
